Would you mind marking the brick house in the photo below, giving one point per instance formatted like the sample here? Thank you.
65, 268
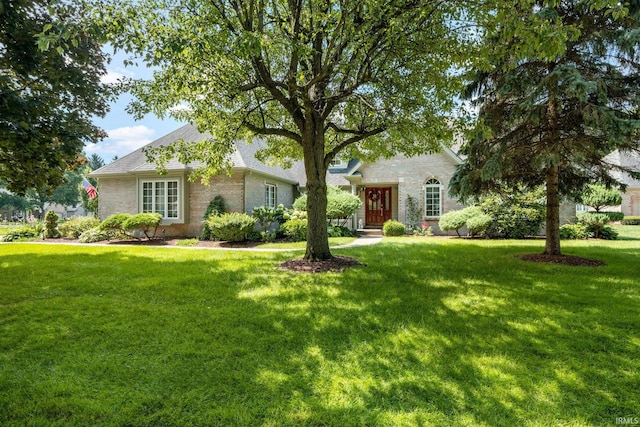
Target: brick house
385, 187
631, 197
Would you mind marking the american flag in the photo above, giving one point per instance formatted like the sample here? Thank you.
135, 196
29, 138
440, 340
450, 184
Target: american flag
90, 189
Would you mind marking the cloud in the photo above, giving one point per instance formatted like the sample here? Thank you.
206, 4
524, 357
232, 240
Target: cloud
113, 76
122, 141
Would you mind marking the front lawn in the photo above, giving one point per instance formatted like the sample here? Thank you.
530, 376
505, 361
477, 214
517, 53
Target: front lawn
428, 332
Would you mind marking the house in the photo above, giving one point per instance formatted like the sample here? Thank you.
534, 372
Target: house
388, 188
631, 197
131, 185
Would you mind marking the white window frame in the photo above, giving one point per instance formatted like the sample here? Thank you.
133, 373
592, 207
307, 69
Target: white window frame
143, 183
270, 187
337, 164
430, 185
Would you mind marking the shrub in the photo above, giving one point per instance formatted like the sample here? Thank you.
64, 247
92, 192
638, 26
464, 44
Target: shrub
51, 225
231, 227
75, 226
631, 220
598, 196
295, 229
574, 231
478, 224
414, 214
267, 217
340, 204
393, 228
115, 222
144, 222
594, 221
608, 233
97, 234
516, 213
614, 216
16, 233
453, 220
338, 231
215, 208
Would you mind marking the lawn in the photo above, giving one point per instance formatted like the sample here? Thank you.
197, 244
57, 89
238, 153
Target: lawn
428, 332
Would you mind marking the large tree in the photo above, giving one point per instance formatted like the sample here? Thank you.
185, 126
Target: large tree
314, 77
551, 116
50, 91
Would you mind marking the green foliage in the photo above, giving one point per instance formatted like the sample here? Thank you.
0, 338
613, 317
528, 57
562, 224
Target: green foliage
51, 92
115, 222
51, 225
12, 202
574, 231
214, 208
478, 224
231, 227
19, 233
614, 216
267, 218
598, 196
339, 231
608, 233
147, 223
453, 220
414, 214
98, 234
294, 214
595, 222
295, 229
187, 242
393, 228
340, 204
631, 220
73, 227
516, 214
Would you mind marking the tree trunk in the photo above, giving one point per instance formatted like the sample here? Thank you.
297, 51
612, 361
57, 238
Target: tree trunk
552, 245
317, 238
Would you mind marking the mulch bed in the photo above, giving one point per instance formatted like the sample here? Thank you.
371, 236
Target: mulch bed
337, 263
563, 259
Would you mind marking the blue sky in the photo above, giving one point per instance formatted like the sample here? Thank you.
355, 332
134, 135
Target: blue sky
125, 133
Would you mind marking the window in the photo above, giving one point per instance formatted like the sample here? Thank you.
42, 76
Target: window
337, 164
432, 198
161, 196
270, 195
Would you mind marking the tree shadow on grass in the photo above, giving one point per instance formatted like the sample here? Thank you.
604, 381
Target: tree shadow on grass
425, 334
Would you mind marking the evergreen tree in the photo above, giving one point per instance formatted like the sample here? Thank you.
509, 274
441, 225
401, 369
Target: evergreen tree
551, 117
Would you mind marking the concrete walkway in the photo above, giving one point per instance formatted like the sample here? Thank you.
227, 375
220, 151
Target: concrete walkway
363, 240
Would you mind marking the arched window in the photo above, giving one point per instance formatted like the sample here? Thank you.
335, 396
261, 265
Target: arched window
432, 198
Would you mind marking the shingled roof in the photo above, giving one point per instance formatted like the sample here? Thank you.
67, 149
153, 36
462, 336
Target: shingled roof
243, 158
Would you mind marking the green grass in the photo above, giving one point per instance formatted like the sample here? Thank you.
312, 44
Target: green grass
429, 332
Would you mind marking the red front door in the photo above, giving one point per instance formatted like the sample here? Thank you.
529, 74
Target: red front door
377, 205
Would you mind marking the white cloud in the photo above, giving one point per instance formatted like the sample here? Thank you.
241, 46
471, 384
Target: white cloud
113, 76
122, 141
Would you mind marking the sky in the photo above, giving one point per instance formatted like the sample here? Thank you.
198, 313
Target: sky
125, 133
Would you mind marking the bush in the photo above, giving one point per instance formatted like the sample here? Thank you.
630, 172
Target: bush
631, 220
73, 227
267, 217
598, 196
97, 234
23, 232
144, 222
478, 224
51, 225
393, 228
340, 204
231, 227
614, 216
608, 233
594, 222
115, 222
215, 208
453, 220
295, 229
516, 213
339, 231
574, 231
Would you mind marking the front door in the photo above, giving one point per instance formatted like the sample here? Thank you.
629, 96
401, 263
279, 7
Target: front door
377, 205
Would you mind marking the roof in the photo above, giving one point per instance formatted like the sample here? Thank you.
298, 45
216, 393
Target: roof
243, 157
